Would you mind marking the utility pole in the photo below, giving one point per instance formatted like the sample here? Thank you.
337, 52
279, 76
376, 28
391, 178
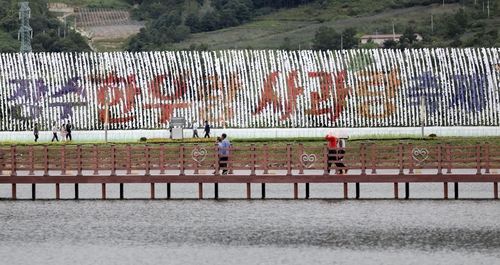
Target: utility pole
393, 32
488, 8
25, 32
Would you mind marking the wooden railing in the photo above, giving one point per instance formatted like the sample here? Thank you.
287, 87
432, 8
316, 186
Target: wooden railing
295, 164
251, 160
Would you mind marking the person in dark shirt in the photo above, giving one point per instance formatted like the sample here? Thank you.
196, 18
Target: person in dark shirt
68, 130
35, 131
207, 130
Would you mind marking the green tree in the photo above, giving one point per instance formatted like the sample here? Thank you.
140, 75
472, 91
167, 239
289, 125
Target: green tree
390, 44
326, 38
369, 45
193, 22
349, 39
409, 36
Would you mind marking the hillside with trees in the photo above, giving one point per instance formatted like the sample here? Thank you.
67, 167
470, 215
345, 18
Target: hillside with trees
263, 24
313, 24
49, 34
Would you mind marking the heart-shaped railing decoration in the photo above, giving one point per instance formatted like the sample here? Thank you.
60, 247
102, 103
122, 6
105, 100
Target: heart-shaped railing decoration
420, 155
308, 160
199, 154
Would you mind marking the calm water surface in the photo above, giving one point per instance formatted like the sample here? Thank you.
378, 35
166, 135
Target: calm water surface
184, 231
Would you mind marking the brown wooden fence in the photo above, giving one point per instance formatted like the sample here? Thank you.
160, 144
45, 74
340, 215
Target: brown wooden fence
251, 160
250, 164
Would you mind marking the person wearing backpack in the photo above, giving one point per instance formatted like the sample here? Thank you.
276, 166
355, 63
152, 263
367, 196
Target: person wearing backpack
333, 149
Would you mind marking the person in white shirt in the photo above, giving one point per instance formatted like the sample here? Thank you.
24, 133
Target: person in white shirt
195, 129
55, 129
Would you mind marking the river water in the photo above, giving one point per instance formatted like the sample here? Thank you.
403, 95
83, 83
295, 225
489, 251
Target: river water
373, 230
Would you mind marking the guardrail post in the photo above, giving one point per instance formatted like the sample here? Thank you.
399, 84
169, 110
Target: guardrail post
487, 157
181, 154
121, 191
495, 190
448, 158
33, 191
58, 192
478, 158
96, 159
252, 158
162, 158
129, 159
263, 190
363, 159
63, 159
301, 164
446, 190
45, 160
195, 147
396, 190
440, 159
32, 161
357, 190
410, 162
216, 190
407, 190
249, 191
103, 190
1, 162
346, 191
401, 159
325, 160
456, 190
307, 190
79, 160
148, 164
265, 154
14, 191
289, 159
112, 160
77, 195
295, 191
373, 160
13, 170
200, 191
152, 191
168, 191
216, 159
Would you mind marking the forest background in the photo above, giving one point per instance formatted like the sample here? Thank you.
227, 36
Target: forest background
261, 24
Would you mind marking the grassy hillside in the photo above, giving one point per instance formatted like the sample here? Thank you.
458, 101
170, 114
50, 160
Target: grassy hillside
296, 27
300, 24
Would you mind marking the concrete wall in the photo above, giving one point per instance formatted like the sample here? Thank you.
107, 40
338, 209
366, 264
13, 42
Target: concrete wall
134, 135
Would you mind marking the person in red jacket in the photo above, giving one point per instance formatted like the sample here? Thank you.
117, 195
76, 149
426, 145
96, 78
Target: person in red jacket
332, 151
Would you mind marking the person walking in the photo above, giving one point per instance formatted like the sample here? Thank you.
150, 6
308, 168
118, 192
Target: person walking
332, 154
54, 132
195, 129
207, 130
225, 144
63, 132
35, 132
68, 131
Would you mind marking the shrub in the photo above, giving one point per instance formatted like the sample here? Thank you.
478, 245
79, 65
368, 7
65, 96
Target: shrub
143, 139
